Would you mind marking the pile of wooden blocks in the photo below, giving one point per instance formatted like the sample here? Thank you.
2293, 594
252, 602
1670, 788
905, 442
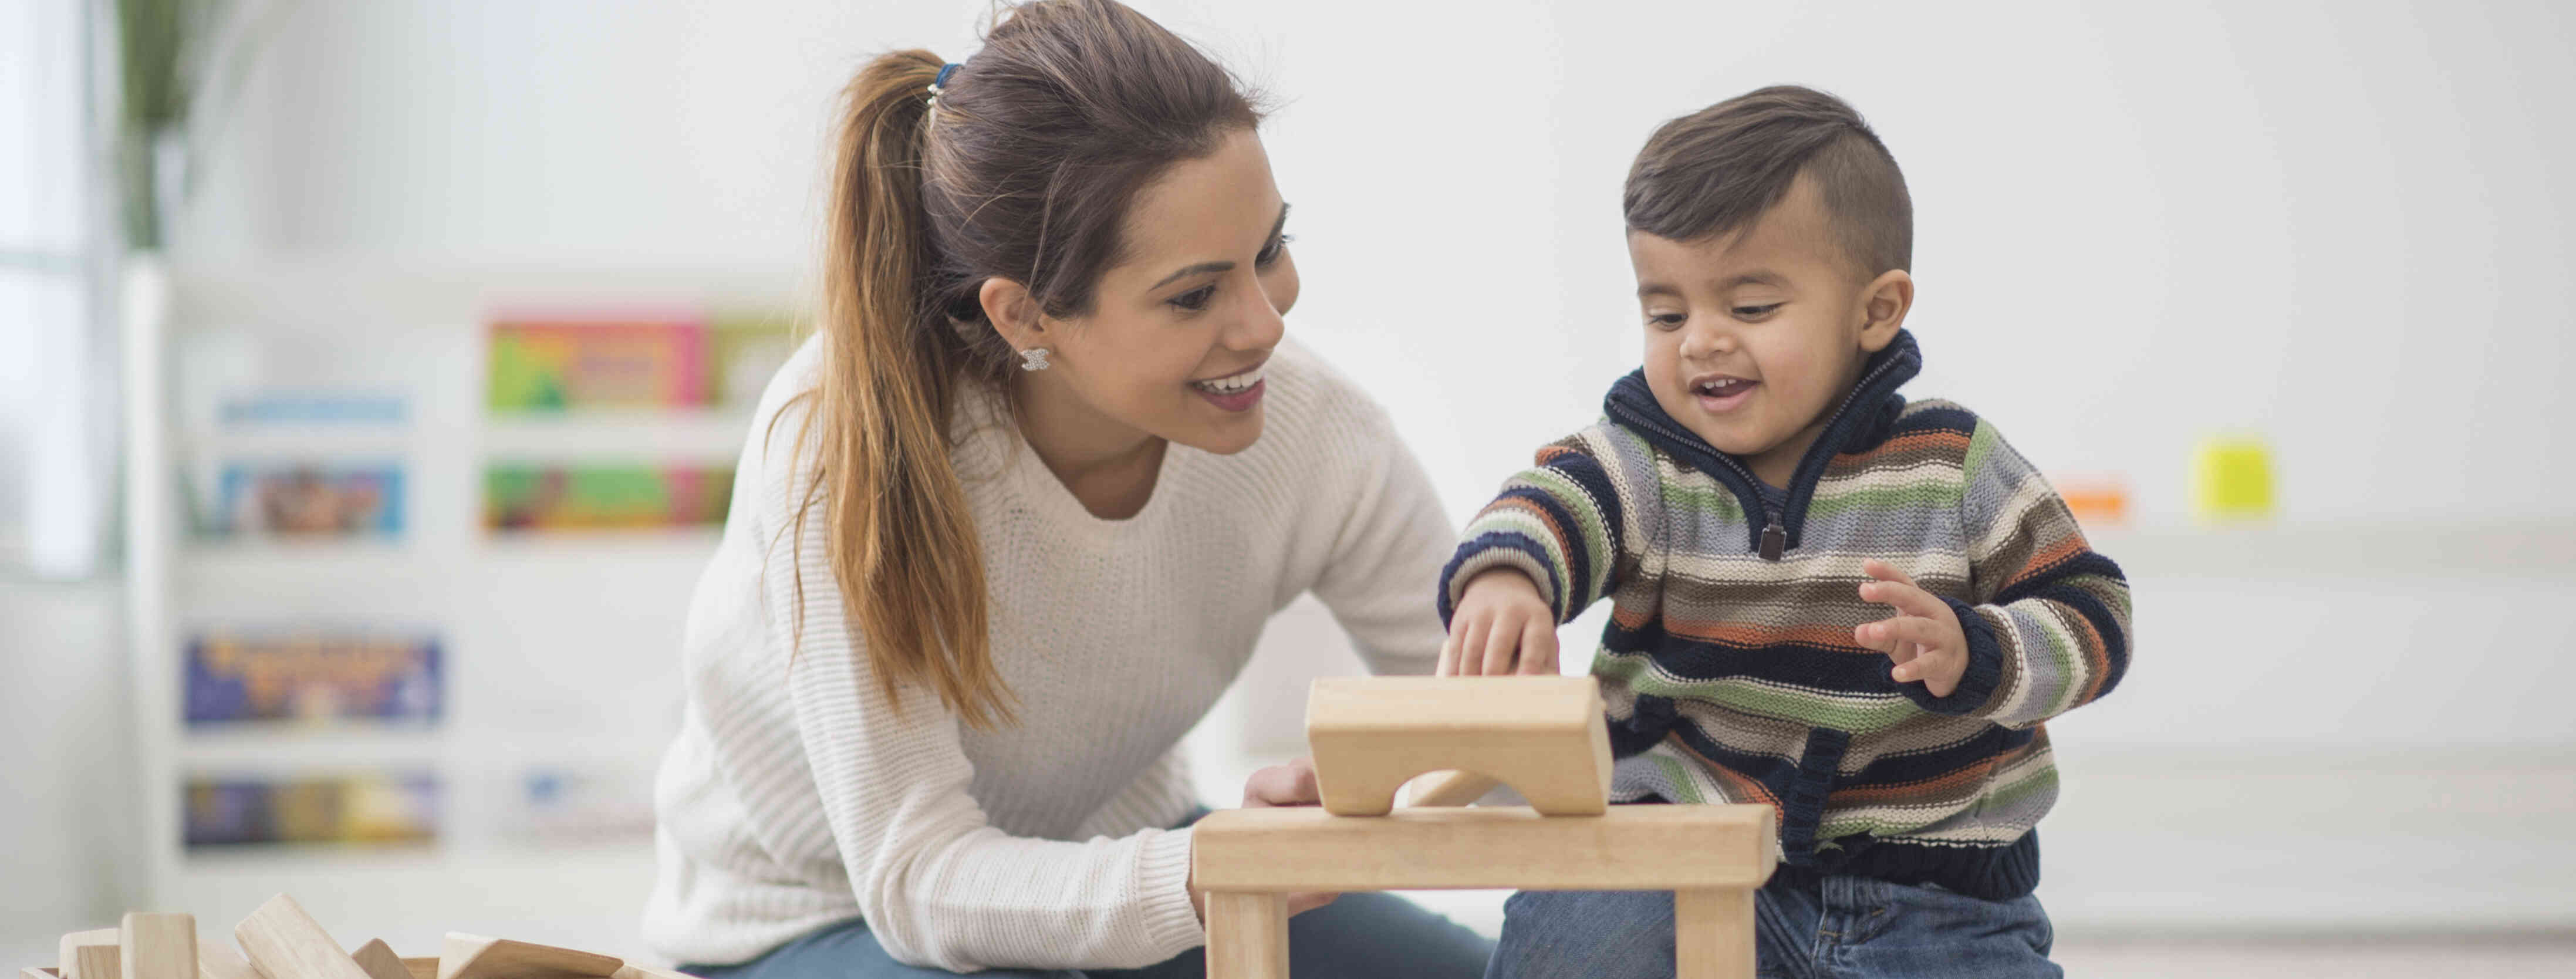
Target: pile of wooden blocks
280, 941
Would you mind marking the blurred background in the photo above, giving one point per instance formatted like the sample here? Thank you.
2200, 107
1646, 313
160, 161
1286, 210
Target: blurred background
370, 373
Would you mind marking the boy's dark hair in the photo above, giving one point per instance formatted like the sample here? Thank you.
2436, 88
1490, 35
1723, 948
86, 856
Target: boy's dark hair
1719, 169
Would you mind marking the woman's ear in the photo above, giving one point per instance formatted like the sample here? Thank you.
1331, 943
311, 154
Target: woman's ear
1883, 305
1013, 313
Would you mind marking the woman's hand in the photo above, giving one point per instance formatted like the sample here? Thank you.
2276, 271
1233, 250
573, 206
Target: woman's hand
1292, 784
1501, 626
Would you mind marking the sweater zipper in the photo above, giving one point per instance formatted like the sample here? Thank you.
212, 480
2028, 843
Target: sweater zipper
1774, 540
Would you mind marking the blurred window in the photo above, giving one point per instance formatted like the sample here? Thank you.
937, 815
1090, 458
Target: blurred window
56, 454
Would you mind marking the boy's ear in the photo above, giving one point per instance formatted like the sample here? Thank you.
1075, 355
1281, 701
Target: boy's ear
1883, 304
1013, 313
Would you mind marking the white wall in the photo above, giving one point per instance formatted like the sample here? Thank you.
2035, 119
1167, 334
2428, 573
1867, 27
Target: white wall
2338, 225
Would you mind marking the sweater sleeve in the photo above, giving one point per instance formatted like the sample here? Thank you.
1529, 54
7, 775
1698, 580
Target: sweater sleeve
1576, 522
1390, 540
2047, 619
936, 883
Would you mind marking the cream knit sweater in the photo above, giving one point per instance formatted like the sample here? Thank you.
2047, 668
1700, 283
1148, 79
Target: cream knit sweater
793, 798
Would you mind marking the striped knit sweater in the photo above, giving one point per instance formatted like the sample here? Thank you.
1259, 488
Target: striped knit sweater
1729, 663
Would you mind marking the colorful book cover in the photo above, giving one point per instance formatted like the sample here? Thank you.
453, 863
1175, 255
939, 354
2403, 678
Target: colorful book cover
374, 809
334, 499
519, 498
240, 677
557, 364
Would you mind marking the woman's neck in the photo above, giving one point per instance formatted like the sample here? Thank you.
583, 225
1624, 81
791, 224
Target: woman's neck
1108, 466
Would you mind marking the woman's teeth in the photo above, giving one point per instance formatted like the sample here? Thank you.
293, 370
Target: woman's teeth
1230, 385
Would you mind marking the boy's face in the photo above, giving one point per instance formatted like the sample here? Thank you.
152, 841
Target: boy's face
1754, 337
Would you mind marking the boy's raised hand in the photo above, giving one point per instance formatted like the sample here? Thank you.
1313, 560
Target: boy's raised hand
1501, 626
1923, 637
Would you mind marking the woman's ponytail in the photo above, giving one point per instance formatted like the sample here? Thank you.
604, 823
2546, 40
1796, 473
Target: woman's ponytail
903, 546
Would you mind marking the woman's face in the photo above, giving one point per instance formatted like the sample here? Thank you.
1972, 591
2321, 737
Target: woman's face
1178, 332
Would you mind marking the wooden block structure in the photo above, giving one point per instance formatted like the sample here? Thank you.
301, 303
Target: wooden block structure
68, 962
1383, 731
158, 946
1542, 735
281, 941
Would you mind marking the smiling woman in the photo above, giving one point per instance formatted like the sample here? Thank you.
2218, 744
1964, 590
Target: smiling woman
1012, 522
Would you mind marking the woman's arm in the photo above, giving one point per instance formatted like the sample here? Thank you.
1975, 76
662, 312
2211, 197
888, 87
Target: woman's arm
1389, 541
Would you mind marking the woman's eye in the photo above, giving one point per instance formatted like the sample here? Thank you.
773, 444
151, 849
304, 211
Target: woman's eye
1195, 299
1754, 312
1271, 254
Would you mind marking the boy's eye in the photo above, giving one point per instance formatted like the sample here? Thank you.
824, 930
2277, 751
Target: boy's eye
1195, 299
1754, 312
1666, 321
1271, 254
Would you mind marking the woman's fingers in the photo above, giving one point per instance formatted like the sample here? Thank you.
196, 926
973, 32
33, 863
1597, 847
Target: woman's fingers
1291, 784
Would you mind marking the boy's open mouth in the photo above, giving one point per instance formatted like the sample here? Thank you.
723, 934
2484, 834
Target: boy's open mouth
1720, 392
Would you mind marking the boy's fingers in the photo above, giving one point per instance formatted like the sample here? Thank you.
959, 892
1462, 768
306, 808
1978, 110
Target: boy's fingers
1471, 646
1449, 648
1904, 597
1500, 640
1538, 648
1884, 571
1891, 635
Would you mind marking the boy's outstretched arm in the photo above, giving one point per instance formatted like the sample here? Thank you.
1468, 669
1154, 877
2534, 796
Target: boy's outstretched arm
2047, 627
1569, 530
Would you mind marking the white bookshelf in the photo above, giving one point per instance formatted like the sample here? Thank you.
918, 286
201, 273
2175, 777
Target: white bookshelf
559, 651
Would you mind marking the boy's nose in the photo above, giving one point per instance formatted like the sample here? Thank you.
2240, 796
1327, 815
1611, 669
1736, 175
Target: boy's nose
1707, 341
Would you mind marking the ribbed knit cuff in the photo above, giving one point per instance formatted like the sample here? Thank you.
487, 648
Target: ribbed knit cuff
1485, 552
1163, 880
1977, 683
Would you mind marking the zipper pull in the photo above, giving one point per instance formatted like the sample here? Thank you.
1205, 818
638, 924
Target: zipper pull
1775, 538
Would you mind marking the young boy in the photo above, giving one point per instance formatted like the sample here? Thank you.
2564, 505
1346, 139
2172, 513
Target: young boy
1826, 598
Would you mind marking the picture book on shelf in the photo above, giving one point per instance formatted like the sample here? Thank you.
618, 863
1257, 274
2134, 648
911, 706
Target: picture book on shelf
305, 499
393, 808
605, 360
240, 676
523, 497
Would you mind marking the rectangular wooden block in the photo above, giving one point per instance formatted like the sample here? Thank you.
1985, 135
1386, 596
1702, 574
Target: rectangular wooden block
379, 960
1247, 936
465, 956
1543, 735
283, 942
421, 966
158, 946
1644, 847
219, 961
97, 960
68, 962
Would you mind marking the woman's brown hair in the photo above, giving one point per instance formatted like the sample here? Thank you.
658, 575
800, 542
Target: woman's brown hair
1024, 170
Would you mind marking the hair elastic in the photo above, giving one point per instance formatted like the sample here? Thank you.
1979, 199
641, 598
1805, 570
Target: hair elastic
937, 83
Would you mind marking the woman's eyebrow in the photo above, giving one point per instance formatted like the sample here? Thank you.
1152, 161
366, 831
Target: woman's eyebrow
1202, 267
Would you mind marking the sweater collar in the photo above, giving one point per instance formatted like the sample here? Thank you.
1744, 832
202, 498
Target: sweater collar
1860, 422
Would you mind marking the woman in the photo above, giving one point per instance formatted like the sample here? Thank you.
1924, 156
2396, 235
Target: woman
1010, 525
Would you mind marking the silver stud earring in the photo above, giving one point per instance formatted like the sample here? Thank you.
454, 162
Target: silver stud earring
1033, 359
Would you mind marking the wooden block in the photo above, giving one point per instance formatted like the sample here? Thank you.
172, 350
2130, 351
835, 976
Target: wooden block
97, 960
1247, 936
1713, 933
379, 960
219, 961
421, 967
1631, 848
68, 961
632, 971
158, 946
1545, 736
283, 942
1448, 788
467, 956
40, 972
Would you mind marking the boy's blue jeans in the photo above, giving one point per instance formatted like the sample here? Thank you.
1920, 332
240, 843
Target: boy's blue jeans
1805, 927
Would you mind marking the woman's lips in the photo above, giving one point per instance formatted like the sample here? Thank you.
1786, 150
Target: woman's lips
1239, 401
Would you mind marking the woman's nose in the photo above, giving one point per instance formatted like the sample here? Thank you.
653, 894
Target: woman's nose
1260, 326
